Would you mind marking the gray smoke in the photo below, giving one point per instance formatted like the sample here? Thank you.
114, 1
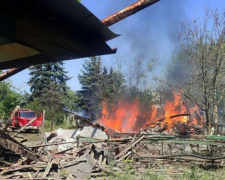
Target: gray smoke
150, 33
153, 31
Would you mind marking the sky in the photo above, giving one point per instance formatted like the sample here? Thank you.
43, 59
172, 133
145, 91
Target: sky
150, 33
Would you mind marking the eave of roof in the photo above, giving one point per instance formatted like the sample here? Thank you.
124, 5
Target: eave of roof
59, 30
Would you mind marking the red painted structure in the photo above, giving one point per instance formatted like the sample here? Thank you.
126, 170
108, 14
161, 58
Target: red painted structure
23, 116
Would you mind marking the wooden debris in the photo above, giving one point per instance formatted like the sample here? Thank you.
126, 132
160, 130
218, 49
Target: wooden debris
92, 156
8, 142
51, 144
48, 166
124, 156
130, 146
36, 173
89, 122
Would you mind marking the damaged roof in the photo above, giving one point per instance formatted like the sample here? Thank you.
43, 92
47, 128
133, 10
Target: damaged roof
42, 31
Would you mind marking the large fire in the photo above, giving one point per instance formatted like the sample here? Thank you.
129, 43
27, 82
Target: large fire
127, 117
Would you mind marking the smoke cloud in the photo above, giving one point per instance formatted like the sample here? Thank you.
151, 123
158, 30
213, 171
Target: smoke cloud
153, 32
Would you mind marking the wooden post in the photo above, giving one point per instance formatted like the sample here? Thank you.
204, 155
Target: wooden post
170, 153
42, 127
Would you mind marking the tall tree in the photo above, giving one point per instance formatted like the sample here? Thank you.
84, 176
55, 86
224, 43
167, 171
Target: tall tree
202, 44
48, 86
98, 86
52, 98
42, 75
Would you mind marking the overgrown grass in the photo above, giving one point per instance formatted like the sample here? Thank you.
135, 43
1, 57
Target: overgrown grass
64, 125
191, 173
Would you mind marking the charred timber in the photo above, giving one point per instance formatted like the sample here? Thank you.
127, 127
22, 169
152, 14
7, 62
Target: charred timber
128, 11
162, 119
12, 144
88, 121
10, 73
178, 115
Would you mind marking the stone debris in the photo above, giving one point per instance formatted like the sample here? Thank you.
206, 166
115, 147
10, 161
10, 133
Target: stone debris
93, 132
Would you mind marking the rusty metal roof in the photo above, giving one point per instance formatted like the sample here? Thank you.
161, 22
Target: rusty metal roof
41, 31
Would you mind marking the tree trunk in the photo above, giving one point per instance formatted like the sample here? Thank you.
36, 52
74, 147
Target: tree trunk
208, 123
215, 115
52, 121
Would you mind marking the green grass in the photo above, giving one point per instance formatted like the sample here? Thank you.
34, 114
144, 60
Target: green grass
191, 173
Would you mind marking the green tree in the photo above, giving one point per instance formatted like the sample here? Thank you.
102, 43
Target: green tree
98, 86
48, 88
42, 75
53, 100
8, 99
202, 62
70, 100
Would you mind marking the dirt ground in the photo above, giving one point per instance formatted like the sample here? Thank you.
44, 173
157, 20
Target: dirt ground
32, 137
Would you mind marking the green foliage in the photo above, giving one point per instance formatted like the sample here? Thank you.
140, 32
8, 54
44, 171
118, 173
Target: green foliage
70, 100
49, 90
53, 99
35, 105
8, 99
97, 86
43, 75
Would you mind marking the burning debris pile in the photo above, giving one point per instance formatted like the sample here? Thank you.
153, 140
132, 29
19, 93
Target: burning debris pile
171, 133
173, 117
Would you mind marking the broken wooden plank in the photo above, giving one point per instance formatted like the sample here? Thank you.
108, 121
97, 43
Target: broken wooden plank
88, 121
160, 120
8, 123
109, 129
52, 144
36, 173
23, 140
128, 11
8, 142
23, 167
125, 156
48, 166
70, 163
130, 146
24, 127
61, 165
63, 151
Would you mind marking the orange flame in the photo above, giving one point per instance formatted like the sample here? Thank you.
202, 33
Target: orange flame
126, 116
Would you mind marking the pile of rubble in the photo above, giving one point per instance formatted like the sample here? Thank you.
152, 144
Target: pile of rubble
91, 152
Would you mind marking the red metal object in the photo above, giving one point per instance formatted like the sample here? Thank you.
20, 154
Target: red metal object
22, 117
128, 11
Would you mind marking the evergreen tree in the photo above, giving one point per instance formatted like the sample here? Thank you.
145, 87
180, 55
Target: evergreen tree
42, 75
48, 87
98, 86
53, 99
